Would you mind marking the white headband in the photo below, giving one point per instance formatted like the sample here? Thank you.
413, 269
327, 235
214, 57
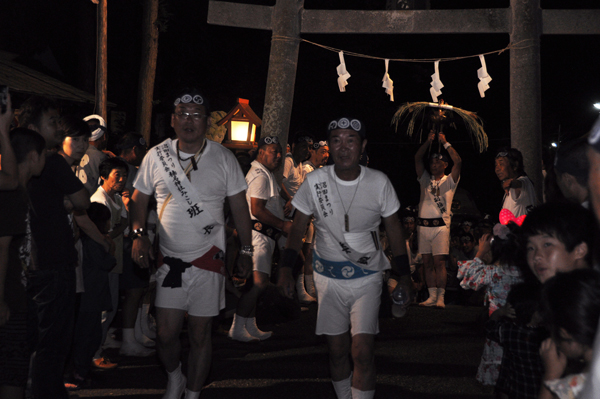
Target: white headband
96, 134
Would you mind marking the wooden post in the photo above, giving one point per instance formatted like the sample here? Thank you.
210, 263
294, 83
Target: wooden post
102, 63
525, 87
285, 43
147, 68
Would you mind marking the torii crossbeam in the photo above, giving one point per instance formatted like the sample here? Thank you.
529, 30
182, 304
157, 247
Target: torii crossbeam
523, 20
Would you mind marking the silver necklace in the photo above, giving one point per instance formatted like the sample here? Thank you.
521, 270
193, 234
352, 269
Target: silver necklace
346, 217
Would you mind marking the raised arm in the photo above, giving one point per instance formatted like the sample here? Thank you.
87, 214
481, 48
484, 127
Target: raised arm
453, 155
419, 165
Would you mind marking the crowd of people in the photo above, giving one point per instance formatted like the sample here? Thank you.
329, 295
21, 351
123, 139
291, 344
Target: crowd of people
163, 233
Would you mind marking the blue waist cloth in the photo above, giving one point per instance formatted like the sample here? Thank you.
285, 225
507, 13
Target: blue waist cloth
344, 270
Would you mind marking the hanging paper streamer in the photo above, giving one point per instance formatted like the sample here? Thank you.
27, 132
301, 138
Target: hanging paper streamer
342, 73
484, 78
387, 82
436, 83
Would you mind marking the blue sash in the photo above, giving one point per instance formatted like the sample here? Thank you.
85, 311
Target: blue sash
344, 270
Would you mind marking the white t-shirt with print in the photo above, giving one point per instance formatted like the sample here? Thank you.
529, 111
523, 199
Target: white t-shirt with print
374, 198
428, 208
262, 185
218, 176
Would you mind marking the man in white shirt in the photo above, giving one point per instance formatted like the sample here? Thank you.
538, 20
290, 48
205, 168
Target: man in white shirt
519, 193
437, 191
268, 225
190, 178
348, 202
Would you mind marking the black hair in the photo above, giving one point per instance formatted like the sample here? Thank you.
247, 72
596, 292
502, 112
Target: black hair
24, 140
571, 301
98, 213
33, 108
569, 223
525, 300
71, 126
571, 158
515, 159
508, 251
109, 164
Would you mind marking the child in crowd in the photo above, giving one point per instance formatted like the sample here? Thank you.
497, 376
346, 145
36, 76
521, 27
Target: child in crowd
514, 327
494, 268
96, 298
558, 238
571, 310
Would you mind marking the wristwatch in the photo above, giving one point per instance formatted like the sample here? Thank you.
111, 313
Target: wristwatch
137, 233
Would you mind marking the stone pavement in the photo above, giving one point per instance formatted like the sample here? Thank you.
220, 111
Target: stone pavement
430, 353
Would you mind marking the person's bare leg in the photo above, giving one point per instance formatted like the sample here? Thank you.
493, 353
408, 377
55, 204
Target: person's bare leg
244, 322
169, 323
200, 335
430, 279
363, 357
339, 356
439, 263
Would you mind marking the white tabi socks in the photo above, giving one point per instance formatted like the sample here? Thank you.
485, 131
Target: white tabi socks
441, 293
191, 394
309, 284
357, 394
176, 384
238, 331
253, 330
432, 300
343, 388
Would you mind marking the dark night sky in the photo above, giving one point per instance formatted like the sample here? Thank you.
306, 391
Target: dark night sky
233, 63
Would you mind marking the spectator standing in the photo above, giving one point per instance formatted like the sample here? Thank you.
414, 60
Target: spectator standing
15, 242
519, 193
51, 279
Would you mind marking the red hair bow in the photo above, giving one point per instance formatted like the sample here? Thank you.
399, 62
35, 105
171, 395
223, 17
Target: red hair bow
507, 216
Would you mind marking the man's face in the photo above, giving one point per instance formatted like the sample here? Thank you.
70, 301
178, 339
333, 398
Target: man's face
48, 127
75, 147
322, 155
116, 180
409, 225
467, 246
503, 169
270, 156
189, 129
345, 146
437, 166
546, 255
301, 151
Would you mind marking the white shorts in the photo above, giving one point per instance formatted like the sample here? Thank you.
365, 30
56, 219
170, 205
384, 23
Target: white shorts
345, 304
202, 293
263, 251
434, 240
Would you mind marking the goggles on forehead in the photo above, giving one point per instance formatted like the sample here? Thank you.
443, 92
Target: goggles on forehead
269, 140
319, 144
188, 98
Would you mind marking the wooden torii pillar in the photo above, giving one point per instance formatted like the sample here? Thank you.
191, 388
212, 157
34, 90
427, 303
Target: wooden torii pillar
524, 21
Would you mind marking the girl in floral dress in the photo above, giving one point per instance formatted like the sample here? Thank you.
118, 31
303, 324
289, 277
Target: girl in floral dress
494, 268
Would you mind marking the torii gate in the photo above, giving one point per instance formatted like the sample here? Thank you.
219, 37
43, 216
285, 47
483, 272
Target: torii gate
523, 20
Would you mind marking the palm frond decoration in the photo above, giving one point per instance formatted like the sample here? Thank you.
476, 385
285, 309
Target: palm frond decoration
436, 115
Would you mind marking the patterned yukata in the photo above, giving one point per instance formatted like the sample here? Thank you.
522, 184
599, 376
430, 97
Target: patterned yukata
568, 387
497, 280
